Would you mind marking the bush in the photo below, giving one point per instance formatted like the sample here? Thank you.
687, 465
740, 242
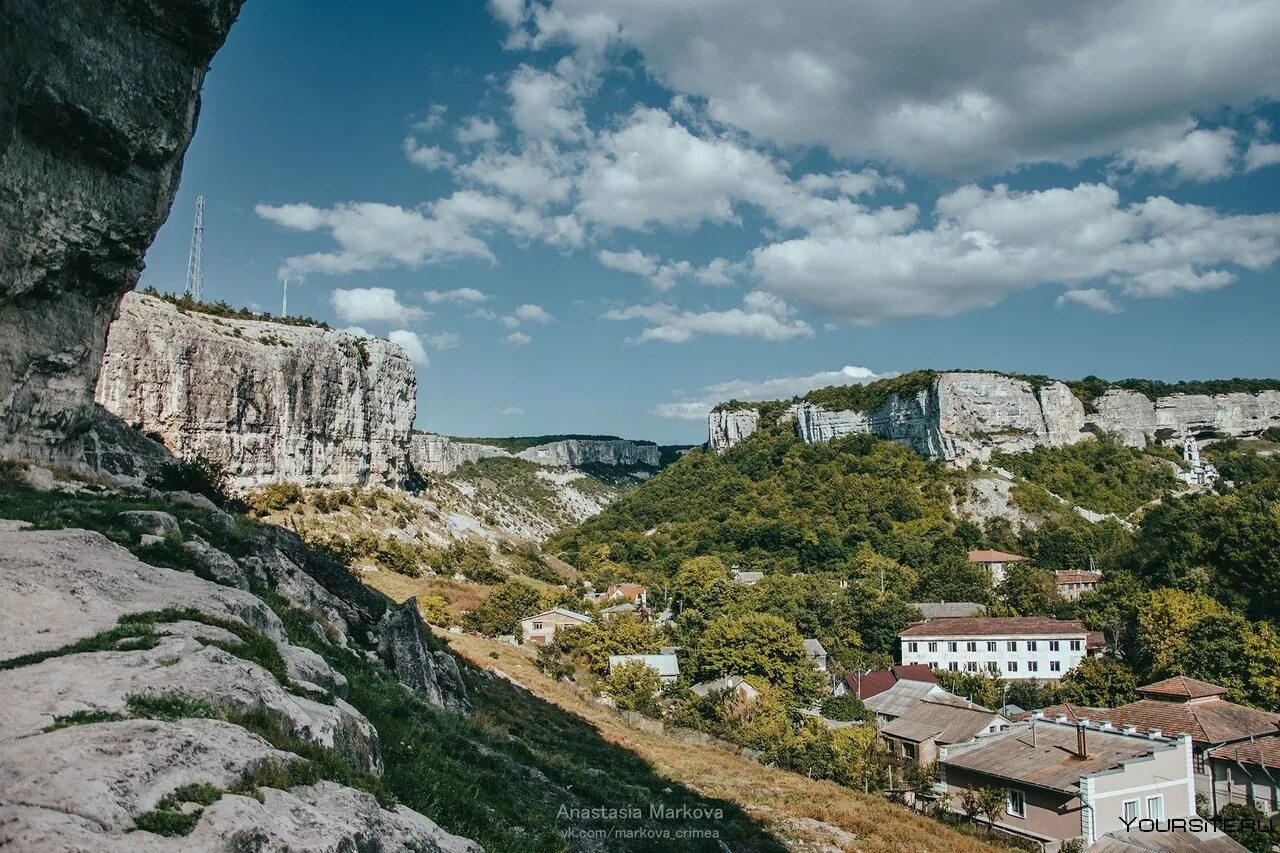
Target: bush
845, 708
200, 476
634, 686
274, 498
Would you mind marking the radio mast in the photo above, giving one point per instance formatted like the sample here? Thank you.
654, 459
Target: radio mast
195, 261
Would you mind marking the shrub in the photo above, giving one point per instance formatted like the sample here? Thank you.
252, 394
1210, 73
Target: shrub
634, 686
201, 476
845, 708
274, 498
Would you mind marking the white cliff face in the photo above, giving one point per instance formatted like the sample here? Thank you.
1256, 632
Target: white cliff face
270, 402
437, 454
576, 452
967, 416
727, 428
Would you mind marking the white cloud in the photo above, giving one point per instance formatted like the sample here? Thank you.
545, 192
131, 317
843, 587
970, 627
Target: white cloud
1090, 297
484, 314
1197, 155
511, 410
433, 119
762, 316
372, 305
631, 261
1261, 154
778, 388
517, 339
412, 346
299, 217
664, 276
476, 129
544, 105
509, 12
429, 157
959, 92
533, 314
459, 295
441, 340
532, 176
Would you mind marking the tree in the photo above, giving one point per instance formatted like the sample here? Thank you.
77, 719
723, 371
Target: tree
980, 687
880, 575
502, 611
756, 644
1248, 826
845, 708
701, 583
880, 620
1163, 624
593, 644
1262, 656
1213, 650
985, 802
634, 686
858, 758
1029, 591
1099, 683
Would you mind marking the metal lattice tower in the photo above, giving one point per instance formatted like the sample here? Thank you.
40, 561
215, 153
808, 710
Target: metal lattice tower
195, 261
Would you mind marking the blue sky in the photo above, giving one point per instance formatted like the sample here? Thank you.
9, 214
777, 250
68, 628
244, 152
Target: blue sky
606, 215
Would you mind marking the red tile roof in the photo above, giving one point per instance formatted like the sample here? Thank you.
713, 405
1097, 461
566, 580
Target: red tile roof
974, 626
1182, 687
1208, 721
994, 557
867, 684
1264, 752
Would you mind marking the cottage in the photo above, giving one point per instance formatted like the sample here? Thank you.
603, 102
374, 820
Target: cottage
995, 562
632, 592
735, 684
617, 610
864, 685
541, 628
1016, 647
1185, 705
667, 667
1073, 584
901, 698
931, 723
747, 578
1064, 780
1247, 773
816, 652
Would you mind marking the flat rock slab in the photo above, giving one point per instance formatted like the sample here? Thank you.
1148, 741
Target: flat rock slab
59, 586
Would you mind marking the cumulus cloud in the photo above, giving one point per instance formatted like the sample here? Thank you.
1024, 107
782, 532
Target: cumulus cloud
1089, 297
428, 157
412, 346
459, 295
1197, 155
965, 93
476, 129
533, 314
762, 316
372, 305
544, 105
441, 340
778, 388
1260, 155
517, 339
665, 275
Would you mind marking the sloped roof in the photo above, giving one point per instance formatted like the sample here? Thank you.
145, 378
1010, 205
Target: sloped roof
813, 647
1210, 720
998, 626
627, 590
1264, 751
1165, 841
1077, 577
864, 685
559, 611
902, 697
1181, 687
994, 557
727, 682
1052, 762
945, 609
666, 665
624, 607
942, 719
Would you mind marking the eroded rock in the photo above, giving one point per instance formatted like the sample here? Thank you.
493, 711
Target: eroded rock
405, 645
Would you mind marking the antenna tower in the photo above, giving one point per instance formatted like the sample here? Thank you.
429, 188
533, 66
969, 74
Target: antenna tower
195, 261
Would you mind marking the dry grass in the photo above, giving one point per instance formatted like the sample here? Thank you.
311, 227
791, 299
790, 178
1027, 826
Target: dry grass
803, 813
462, 596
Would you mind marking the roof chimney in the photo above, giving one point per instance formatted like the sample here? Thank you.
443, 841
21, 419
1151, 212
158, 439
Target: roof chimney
1082, 742
1061, 718
1154, 734
1130, 730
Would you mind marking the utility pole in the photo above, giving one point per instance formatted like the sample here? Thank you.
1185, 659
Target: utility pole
195, 260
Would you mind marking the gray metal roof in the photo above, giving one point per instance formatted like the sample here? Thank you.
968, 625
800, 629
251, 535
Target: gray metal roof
948, 609
1167, 842
902, 697
665, 665
943, 720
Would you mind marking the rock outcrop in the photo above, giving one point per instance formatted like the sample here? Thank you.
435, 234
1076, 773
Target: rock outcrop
269, 402
966, 416
98, 102
438, 454
433, 674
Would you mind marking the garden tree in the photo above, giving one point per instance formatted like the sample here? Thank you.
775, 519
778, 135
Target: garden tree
920, 777
858, 758
1112, 607
1031, 693
985, 802
1262, 677
980, 687
1212, 649
592, 644
876, 574
845, 708
815, 604
1163, 623
634, 686
560, 597
1029, 591
1248, 826
502, 611
954, 578
1099, 683
810, 750
881, 619
702, 583
756, 644
436, 610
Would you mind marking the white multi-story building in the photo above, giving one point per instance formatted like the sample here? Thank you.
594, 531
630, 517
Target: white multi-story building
1022, 647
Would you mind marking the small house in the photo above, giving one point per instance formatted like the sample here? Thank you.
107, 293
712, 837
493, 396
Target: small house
995, 562
931, 723
816, 653
735, 684
1073, 584
667, 667
864, 685
541, 628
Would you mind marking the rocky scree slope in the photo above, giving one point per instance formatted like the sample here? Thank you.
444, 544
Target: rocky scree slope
967, 415
268, 402
155, 709
98, 102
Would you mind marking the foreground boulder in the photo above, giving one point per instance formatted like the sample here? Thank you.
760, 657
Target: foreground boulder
406, 646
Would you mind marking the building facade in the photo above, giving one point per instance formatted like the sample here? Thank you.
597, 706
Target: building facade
1013, 648
541, 628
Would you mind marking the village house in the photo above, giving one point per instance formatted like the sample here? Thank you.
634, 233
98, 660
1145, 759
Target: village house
667, 667
626, 608
1073, 584
1185, 705
1010, 647
931, 723
1247, 773
995, 562
864, 685
901, 697
735, 684
816, 652
1064, 780
747, 578
948, 609
541, 628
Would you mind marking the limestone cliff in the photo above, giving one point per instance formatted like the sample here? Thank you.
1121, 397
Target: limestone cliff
268, 401
98, 102
967, 415
438, 454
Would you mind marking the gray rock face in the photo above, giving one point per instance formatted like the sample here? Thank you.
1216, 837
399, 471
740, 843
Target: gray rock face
966, 416
270, 402
438, 454
152, 521
220, 567
98, 102
405, 645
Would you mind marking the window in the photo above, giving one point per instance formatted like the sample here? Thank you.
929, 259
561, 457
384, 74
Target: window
537, 626
1032, 666
909, 750
1012, 667
1055, 666
971, 666
913, 647
933, 647
1130, 810
1197, 762
991, 645
1075, 645
1155, 807
1017, 804
951, 647
1031, 645
1053, 645
992, 667
953, 666
1011, 646
971, 646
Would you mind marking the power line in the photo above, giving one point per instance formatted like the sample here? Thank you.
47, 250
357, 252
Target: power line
195, 261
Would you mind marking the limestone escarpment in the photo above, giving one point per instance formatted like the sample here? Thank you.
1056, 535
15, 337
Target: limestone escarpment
438, 454
967, 415
267, 401
98, 102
